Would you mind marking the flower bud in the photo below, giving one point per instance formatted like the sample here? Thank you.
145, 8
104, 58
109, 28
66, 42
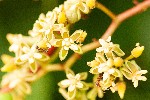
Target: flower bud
136, 52
118, 62
62, 17
121, 89
90, 3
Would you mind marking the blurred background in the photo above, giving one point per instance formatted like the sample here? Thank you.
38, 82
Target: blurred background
18, 16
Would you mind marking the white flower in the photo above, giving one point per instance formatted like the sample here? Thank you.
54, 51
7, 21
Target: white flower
31, 57
73, 83
109, 48
68, 42
19, 81
133, 72
73, 9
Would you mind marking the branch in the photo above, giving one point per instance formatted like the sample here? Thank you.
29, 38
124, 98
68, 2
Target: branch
105, 10
125, 15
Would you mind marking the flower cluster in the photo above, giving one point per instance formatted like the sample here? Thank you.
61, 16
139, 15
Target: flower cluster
33, 52
111, 67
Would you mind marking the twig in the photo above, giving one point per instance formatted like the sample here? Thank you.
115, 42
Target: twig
125, 15
105, 10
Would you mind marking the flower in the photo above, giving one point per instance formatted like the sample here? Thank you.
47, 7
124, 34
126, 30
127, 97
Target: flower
18, 41
96, 90
32, 58
136, 52
73, 83
120, 87
9, 62
73, 9
67, 43
133, 72
109, 48
18, 80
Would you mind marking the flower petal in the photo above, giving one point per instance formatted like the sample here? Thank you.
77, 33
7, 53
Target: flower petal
63, 53
92, 94
78, 50
83, 75
100, 92
33, 67
117, 50
126, 74
64, 83
76, 35
65, 35
132, 66
94, 70
85, 86
44, 58
69, 73
57, 42
63, 92
71, 88
84, 8
71, 94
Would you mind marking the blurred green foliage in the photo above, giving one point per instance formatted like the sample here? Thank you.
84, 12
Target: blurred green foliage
18, 16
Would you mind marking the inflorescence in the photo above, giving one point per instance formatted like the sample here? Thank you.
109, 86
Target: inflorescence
50, 37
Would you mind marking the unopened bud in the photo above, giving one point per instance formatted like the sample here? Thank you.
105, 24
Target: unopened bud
90, 3
62, 17
121, 89
118, 62
136, 52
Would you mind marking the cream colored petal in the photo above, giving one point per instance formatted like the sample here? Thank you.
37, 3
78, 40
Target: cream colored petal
71, 94
142, 72
79, 85
105, 76
84, 86
71, 88
33, 67
94, 70
143, 78
64, 83
65, 35
117, 73
117, 50
63, 93
14, 83
135, 83
77, 77
24, 57
37, 55
76, 35
69, 73
76, 48
63, 53
83, 75
57, 42
18, 61
100, 92
92, 94
127, 75
14, 47
44, 58
31, 60
84, 8
121, 89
